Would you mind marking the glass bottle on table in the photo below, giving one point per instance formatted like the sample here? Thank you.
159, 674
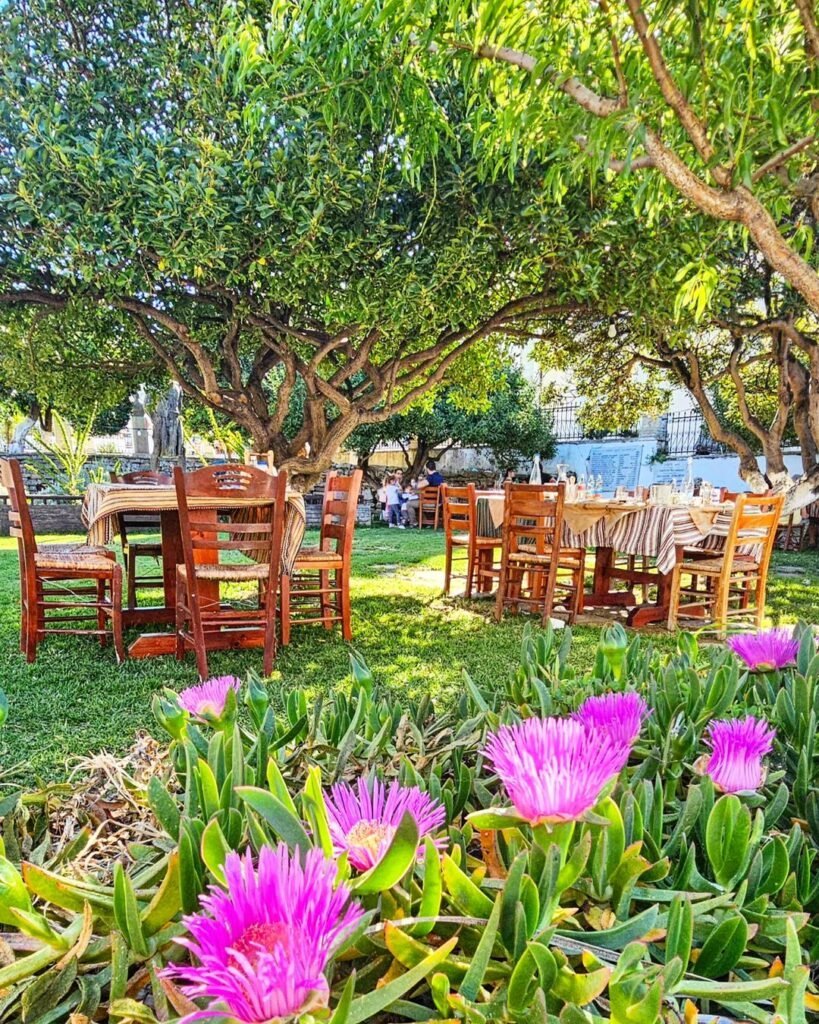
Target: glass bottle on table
581, 487
598, 485
688, 485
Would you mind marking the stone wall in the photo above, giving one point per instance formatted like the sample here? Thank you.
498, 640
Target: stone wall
51, 514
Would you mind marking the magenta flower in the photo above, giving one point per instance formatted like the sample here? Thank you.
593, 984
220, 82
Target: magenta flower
363, 820
554, 768
737, 748
766, 650
264, 944
620, 715
207, 700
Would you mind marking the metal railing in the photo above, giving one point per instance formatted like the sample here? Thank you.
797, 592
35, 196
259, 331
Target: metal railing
682, 434
566, 424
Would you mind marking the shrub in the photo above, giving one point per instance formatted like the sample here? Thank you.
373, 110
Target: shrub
665, 899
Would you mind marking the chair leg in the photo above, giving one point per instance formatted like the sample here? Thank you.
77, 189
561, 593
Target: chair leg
101, 616
269, 657
501, 594
674, 599
447, 566
471, 558
31, 616
23, 610
131, 578
760, 602
326, 609
181, 617
346, 617
116, 613
721, 595
284, 600
198, 633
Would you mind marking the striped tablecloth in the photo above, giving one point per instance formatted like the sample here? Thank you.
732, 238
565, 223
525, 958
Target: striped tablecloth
653, 530
104, 502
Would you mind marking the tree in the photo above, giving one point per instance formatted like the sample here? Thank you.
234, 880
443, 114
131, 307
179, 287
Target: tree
742, 349
712, 103
510, 424
183, 187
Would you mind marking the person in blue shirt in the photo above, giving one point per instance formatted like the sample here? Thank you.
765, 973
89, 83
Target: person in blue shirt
434, 478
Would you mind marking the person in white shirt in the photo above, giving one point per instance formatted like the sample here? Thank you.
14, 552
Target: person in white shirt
394, 503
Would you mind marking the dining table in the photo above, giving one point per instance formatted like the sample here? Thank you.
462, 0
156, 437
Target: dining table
101, 508
653, 533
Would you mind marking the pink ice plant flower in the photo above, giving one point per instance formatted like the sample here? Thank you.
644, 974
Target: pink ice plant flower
207, 700
554, 769
262, 945
767, 650
363, 819
737, 748
620, 715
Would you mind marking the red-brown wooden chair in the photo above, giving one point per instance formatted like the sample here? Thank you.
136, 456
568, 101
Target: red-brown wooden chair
131, 523
537, 571
429, 507
460, 510
318, 590
82, 584
204, 619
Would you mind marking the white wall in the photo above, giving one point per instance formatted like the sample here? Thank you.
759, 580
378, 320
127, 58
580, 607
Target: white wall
627, 462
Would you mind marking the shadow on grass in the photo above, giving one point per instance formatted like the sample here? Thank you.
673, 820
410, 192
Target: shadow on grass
75, 700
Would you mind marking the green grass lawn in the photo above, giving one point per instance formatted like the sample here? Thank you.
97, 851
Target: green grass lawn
75, 700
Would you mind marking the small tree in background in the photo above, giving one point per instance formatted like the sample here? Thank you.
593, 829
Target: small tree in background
509, 424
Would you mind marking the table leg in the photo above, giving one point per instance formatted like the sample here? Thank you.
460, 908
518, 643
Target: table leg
485, 559
602, 593
646, 614
151, 645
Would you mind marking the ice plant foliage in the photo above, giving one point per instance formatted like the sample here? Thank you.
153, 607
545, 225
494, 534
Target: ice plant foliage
554, 768
737, 748
263, 944
208, 698
620, 715
767, 650
363, 819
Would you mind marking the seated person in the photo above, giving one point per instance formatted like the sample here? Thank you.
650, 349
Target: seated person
433, 477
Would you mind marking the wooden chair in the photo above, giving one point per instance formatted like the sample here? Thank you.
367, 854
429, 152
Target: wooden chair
83, 584
140, 522
203, 621
429, 507
734, 580
534, 564
460, 511
810, 537
261, 460
793, 527
319, 588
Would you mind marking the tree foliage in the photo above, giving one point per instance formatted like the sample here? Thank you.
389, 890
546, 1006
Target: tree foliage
183, 185
510, 424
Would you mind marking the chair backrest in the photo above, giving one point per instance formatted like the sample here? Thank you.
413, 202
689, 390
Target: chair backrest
339, 509
207, 533
140, 522
430, 496
143, 477
460, 509
20, 524
754, 524
533, 518
261, 460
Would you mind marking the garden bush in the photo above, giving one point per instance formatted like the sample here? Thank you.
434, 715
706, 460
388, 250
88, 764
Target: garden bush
528, 855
